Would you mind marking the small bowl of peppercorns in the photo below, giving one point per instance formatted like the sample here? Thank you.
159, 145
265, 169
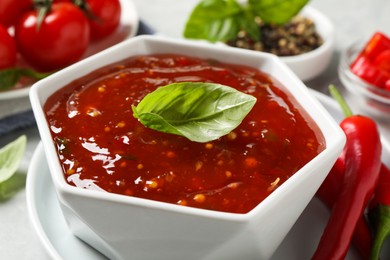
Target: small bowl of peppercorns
305, 43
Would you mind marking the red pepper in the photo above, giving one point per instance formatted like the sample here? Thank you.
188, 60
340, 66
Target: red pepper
328, 193
330, 189
382, 61
373, 63
378, 43
380, 212
362, 164
364, 68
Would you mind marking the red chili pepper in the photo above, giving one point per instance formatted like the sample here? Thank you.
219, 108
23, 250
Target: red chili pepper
362, 164
380, 212
330, 188
328, 193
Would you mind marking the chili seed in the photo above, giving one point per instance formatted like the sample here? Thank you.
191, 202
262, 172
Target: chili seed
231, 136
121, 124
70, 171
251, 162
200, 198
123, 164
209, 146
102, 89
170, 154
93, 112
228, 174
152, 184
198, 165
182, 202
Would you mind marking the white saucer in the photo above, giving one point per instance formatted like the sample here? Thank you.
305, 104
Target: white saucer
49, 223
128, 28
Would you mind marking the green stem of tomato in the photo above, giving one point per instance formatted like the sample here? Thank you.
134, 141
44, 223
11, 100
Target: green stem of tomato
339, 98
382, 230
42, 7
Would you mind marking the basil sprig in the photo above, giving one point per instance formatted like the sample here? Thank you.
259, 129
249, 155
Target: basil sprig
221, 20
202, 112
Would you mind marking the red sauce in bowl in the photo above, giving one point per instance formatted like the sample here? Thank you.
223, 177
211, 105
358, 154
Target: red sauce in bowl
99, 141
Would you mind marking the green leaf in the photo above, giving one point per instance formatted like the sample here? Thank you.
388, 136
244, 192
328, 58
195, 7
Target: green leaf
202, 112
247, 23
9, 77
10, 157
11, 186
214, 20
276, 11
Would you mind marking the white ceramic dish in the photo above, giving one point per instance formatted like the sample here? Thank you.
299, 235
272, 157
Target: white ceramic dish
128, 28
211, 234
59, 242
310, 65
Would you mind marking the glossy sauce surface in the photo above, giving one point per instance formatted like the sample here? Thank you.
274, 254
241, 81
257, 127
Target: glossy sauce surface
101, 145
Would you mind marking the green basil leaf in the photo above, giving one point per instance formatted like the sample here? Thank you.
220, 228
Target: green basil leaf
214, 20
248, 24
276, 11
202, 112
9, 77
11, 186
10, 157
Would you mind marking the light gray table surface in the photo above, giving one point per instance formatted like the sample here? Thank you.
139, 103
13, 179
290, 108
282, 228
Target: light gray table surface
353, 19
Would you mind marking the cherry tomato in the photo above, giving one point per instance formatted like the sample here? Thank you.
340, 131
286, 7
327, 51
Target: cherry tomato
7, 49
105, 18
61, 39
11, 10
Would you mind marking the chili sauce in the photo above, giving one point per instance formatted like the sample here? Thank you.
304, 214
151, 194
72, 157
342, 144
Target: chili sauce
99, 141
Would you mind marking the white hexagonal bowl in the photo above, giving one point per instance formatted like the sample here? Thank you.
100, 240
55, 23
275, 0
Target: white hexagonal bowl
123, 227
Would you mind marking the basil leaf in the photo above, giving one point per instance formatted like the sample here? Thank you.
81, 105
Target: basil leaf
9, 77
202, 112
10, 157
276, 11
11, 186
214, 20
248, 24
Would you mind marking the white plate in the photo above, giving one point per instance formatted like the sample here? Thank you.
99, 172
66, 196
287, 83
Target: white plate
128, 28
49, 223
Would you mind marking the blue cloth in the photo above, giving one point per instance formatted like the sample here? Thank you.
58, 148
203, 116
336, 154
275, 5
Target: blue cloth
26, 119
